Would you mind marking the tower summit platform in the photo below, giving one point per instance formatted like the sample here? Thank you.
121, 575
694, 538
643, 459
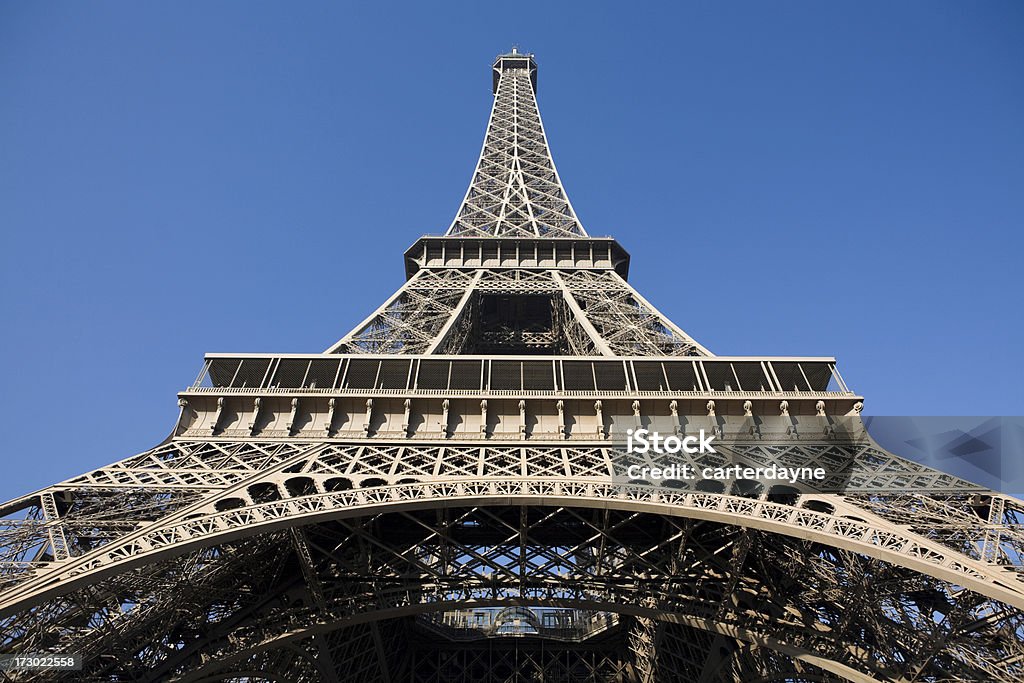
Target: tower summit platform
514, 60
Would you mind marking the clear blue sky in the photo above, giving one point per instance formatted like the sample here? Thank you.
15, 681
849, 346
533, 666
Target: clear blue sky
799, 178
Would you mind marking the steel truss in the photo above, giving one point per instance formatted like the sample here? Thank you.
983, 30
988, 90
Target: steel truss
458, 456
603, 315
436, 526
515, 189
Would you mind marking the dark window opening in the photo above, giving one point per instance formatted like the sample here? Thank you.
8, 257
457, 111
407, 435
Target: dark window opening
511, 324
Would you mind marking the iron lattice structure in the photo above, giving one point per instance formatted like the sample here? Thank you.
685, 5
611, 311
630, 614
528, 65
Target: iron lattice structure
442, 496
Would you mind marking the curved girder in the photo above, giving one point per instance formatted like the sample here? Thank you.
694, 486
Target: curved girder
666, 563
206, 526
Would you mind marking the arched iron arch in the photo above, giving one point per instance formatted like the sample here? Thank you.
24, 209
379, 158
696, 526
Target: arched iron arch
183, 531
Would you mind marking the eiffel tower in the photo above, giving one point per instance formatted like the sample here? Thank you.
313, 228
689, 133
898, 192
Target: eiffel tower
444, 495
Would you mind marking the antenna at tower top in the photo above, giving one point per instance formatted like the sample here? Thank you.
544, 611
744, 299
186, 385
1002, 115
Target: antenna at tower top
515, 60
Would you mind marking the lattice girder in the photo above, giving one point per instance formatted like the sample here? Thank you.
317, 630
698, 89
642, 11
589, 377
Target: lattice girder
515, 190
755, 587
599, 307
319, 478
307, 483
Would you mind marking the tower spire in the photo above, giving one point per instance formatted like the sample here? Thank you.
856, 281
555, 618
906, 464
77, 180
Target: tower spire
516, 273
515, 190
